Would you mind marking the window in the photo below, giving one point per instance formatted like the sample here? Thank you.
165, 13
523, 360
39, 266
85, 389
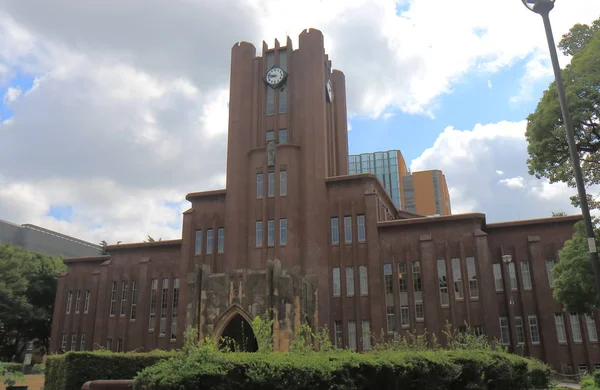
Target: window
209, 241
174, 309
119, 345
561, 332
77, 301
549, 265
336, 282
350, 281
163, 307
271, 185
109, 344
417, 288
338, 338
403, 294
63, 343
534, 331
504, 335
283, 91
74, 342
283, 136
152, 320
364, 280
512, 274
472, 276
575, 328
282, 183
271, 232
347, 229
582, 369
124, 291
520, 330
443, 282
82, 342
220, 240
259, 234
270, 99
113, 299
283, 231
525, 275
133, 311
389, 298
86, 304
360, 225
498, 282
198, 243
457, 277
270, 135
590, 323
69, 299
366, 335
259, 185
352, 335
335, 230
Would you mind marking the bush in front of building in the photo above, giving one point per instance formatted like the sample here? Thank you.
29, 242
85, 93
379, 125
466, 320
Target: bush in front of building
71, 370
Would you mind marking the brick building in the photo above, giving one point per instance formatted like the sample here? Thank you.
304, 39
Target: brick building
294, 232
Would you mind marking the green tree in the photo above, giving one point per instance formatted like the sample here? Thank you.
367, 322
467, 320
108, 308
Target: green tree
573, 275
104, 245
559, 213
27, 292
151, 239
547, 144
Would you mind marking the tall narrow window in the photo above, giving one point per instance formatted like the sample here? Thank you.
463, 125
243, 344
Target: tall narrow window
549, 265
283, 91
504, 335
283, 136
163, 307
403, 295
86, 304
457, 277
271, 232
152, 317
259, 185
338, 338
270, 91
575, 328
347, 229
337, 288
418, 290
360, 226
512, 273
63, 343
366, 335
82, 342
77, 301
534, 331
520, 330
590, 323
109, 344
124, 293
389, 298
472, 275
283, 231
74, 342
350, 281
259, 234
443, 282
498, 282
270, 135
113, 299
220, 240
209, 241
561, 332
282, 183
174, 309
198, 243
271, 184
352, 335
364, 280
133, 311
335, 230
69, 299
119, 345
525, 275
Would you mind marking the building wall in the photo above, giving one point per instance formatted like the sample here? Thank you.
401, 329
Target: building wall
430, 191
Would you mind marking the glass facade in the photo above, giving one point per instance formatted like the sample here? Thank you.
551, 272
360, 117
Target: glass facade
385, 166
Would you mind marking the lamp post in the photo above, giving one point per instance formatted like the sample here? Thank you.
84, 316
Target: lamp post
543, 8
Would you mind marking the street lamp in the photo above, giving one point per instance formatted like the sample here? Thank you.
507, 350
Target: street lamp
543, 8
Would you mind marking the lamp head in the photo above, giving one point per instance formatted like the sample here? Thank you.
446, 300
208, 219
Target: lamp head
506, 258
539, 6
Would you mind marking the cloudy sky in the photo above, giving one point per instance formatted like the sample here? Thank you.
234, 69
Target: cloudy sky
111, 111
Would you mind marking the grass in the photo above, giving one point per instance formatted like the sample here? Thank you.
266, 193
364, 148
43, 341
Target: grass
35, 382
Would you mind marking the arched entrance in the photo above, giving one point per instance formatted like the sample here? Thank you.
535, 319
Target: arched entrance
238, 336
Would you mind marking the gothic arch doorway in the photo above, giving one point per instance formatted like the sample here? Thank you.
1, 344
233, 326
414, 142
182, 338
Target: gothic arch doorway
238, 336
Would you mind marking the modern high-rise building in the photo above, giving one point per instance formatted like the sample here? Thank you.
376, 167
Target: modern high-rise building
423, 193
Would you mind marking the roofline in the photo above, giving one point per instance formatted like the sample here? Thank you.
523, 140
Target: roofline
535, 221
424, 220
136, 245
206, 194
363, 176
86, 259
60, 235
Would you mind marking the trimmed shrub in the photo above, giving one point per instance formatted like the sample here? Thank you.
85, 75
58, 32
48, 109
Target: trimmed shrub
71, 370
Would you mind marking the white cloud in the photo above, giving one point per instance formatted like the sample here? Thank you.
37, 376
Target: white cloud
499, 172
12, 94
513, 182
489, 84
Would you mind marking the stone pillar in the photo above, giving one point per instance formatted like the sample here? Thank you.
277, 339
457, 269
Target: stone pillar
485, 284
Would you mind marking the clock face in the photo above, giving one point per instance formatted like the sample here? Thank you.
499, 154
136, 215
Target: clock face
329, 87
275, 76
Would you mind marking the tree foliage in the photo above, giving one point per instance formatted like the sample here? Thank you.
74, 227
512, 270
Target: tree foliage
546, 137
27, 291
573, 275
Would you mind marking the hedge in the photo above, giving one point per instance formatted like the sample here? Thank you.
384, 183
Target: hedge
454, 370
71, 370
